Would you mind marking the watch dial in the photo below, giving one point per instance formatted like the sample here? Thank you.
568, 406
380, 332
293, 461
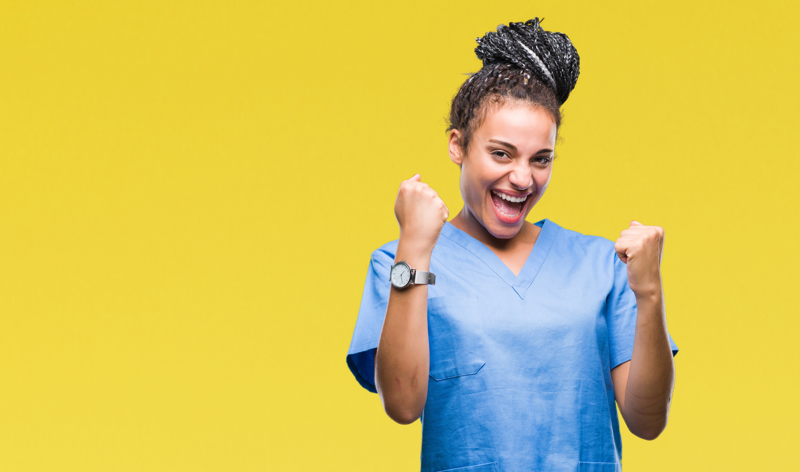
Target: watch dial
400, 275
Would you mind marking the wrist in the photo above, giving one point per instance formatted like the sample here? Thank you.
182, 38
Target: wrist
651, 294
416, 254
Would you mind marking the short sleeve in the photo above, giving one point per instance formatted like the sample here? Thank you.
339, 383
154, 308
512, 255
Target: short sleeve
621, 316
367, 333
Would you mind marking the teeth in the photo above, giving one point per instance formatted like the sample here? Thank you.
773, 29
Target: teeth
510, 216
510, 198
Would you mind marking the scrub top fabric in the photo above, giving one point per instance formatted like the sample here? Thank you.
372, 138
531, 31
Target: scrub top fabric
520, 366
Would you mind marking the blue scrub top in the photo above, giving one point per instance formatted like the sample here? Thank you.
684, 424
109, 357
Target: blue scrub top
520, 366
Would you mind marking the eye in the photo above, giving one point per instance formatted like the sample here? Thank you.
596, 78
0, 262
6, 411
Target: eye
501, 154
541, 160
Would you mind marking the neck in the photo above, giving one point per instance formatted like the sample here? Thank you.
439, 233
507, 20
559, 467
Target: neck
466, 222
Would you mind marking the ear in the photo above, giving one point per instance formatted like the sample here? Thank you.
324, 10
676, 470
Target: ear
454, 147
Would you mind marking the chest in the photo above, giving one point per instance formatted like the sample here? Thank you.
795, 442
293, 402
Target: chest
560, 323
514, 258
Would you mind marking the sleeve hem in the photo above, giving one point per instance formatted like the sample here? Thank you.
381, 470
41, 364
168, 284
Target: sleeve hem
621, 358
351, 363
627, 355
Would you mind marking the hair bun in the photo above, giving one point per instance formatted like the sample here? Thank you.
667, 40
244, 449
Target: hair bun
550, 56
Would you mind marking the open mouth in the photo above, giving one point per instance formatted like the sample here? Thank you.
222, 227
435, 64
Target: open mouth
508, 206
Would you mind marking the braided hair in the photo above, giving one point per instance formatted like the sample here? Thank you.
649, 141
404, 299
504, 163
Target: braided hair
520, 62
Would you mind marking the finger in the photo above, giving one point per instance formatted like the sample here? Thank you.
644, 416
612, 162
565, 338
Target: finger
414, 178
419, 188
413, 183
633, 231
621, 248
636, 223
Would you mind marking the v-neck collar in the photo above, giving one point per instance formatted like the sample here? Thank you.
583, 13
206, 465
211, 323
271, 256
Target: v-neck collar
520, 283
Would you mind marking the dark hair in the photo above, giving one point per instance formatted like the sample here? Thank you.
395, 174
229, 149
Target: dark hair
520, 62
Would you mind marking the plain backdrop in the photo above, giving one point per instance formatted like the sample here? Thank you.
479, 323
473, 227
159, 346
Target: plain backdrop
190, 192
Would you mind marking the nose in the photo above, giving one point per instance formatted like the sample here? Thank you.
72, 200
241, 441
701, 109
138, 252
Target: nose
521, 177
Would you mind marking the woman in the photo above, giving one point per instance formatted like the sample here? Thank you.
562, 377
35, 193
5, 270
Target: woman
512, 341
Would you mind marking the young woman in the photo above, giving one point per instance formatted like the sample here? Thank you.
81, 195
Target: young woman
512, 341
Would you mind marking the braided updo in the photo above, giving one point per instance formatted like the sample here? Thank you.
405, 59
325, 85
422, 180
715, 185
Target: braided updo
520, 62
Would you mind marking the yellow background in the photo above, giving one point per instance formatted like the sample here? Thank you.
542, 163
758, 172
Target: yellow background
190, 191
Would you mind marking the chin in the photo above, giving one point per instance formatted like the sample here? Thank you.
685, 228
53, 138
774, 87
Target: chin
502, 227
503, 231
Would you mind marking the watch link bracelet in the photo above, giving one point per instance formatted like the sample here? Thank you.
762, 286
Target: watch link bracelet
402, 276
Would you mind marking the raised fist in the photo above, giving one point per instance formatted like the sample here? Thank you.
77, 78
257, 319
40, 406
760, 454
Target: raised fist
420, 212
640, 247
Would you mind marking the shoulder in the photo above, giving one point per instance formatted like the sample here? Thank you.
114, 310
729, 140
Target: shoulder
591, 253
384, 255
585, 243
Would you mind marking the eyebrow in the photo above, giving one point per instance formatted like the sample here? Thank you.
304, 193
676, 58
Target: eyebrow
514, 148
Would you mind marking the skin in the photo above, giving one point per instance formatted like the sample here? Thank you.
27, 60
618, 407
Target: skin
512, 152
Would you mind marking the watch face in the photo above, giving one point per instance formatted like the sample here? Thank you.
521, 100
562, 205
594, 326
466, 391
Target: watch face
401, 274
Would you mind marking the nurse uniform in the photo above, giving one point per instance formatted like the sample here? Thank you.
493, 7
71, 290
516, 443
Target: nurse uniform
520, 366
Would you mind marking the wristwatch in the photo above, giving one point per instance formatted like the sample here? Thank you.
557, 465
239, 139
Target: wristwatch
402, 276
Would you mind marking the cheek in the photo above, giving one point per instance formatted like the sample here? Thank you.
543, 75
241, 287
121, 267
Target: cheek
547, 182
473, 182
542, 181
467, 185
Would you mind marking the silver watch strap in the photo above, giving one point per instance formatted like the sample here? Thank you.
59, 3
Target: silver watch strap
421, 277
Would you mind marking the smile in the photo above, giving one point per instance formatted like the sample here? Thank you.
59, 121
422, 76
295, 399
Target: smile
508, 206
509, 197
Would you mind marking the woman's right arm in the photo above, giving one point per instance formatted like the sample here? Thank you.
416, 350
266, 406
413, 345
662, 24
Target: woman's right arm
402, 359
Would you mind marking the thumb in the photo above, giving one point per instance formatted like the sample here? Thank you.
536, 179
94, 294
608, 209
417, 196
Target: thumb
414, 178
636, 223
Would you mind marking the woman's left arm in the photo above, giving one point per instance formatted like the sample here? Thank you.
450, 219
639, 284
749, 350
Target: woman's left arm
643, 386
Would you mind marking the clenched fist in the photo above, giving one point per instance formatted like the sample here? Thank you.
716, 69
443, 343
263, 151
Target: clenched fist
420, 213
640, 247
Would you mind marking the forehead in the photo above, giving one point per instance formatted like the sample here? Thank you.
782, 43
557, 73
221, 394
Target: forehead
520, 124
